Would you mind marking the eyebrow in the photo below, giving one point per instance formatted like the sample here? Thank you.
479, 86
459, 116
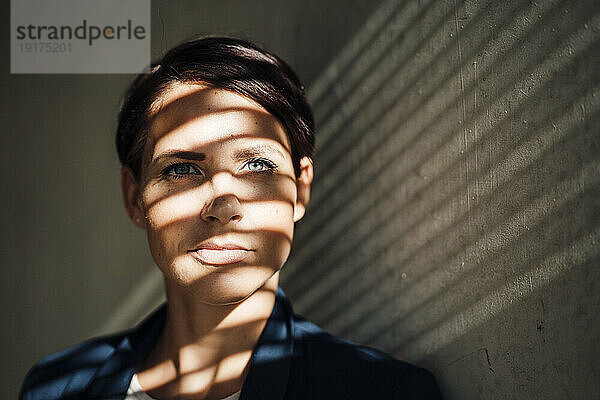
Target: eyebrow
238, 155
183, 154
257, 151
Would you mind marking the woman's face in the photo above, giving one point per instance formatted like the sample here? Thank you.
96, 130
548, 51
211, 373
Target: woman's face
217, 193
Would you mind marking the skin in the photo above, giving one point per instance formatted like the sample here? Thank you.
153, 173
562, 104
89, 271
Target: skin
232, 193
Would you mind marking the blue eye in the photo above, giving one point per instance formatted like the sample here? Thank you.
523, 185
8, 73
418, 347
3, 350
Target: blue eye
260, 165
181, 170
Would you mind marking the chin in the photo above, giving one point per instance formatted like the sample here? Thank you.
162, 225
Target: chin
226, 285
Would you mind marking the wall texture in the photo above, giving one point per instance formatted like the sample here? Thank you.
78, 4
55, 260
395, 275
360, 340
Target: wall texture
455, 216
455, 219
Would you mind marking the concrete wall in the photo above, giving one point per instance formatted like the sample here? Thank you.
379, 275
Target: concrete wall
455, 220
455, 214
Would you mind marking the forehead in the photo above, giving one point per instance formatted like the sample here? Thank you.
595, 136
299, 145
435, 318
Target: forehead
190, 117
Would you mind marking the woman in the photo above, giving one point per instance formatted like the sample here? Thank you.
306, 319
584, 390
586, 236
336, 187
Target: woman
216, 143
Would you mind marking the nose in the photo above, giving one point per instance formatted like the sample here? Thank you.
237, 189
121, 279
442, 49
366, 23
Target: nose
223, 209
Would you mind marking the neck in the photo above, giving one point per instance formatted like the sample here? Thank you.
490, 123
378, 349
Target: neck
206, 349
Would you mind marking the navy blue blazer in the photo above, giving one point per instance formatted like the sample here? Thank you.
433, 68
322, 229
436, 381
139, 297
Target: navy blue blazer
293, 359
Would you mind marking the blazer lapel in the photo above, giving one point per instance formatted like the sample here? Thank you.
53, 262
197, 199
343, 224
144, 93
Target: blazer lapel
270, 364
114, 376
268, 373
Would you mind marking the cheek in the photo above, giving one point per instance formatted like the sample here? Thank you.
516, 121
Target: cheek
166, 207
273, 215
271, 210
168, 216
163, 242
273, 224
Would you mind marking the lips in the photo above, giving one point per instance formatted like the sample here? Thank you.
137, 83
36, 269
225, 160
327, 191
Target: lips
220, 254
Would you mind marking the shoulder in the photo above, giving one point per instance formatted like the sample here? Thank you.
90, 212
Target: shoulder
98, 368
69, 370
335, 367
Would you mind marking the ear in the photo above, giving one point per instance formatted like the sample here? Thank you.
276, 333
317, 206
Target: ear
303, 183
130, 189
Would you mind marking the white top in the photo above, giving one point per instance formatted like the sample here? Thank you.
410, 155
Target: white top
135, 392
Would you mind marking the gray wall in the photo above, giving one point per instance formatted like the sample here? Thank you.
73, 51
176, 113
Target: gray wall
455, 221
455, 214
